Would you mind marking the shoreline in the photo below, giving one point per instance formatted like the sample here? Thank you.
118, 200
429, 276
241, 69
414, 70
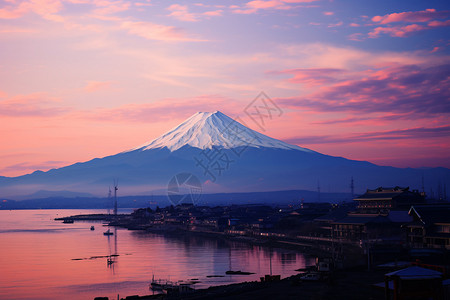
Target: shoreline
345, 284
123, 221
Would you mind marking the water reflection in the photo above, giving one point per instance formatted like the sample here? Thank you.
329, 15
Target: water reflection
113, 253
37, 258
217, 256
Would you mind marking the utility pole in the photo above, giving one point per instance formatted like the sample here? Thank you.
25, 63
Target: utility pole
318, 190
352, 188
423, 185
116, 184
109, 201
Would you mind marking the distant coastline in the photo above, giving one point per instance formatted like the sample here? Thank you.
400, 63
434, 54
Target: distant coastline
268, 198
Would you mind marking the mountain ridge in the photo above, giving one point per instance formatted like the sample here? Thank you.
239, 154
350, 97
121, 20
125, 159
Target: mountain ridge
256, 165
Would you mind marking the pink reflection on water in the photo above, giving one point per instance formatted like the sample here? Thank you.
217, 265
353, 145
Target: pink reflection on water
36, 258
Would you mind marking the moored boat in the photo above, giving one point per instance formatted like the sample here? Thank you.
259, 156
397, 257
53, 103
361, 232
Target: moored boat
108, 232
238, 273
169, 287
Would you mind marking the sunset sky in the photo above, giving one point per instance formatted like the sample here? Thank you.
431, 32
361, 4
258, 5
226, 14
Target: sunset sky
366, 80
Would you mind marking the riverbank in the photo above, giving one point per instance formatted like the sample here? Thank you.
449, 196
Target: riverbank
343, 284
353, 284
126, 221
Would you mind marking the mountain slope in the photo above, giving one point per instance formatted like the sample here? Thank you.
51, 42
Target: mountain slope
244, 161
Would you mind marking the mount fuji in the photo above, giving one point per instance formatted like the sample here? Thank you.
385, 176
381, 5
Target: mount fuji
225, 156
206, 130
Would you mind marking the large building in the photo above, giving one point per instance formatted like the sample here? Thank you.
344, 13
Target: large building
382, 200
430, 228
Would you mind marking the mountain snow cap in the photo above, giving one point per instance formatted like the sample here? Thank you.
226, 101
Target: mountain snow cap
204, 130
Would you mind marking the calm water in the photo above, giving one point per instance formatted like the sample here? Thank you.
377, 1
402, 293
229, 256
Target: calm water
37, 258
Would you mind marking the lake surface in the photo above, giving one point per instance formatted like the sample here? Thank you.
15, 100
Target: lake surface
45, 259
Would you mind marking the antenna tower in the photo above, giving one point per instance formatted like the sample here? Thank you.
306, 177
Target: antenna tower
352, 188
109, 201
116, 184
423, 185
318, 190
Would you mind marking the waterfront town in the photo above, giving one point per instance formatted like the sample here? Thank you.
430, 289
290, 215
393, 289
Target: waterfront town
389, 243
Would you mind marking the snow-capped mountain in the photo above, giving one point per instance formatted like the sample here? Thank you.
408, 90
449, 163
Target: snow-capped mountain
225, 156
205, 130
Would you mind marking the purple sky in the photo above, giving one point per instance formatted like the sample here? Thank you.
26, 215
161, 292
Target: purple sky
366, 80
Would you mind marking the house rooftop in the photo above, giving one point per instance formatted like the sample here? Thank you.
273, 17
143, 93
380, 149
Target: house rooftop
430, 214
383, 193
415, 272
362, 219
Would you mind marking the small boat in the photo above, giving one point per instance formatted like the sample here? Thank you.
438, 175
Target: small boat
92, 228
238, 273
159, 285
108, 232
110, 260
68, 221
169, 287
155, 286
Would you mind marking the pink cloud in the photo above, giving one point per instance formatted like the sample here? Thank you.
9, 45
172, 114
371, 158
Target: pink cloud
181, 13
13, 12
261, 4
213, 13
396, 134
313, 77
328, 13
49, 9
429, 16
356, 37
396, 31
435, 49
439, 23
152, 31
32, 105
93, 86
299, 1
165, 110
404, 31
400, 89
412, 16
107, 7
140, 4
256, 5
45, 8
253, 6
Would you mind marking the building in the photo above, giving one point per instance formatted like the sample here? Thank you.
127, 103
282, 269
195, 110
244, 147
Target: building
413, 283
382, 200
430, 227
356, 228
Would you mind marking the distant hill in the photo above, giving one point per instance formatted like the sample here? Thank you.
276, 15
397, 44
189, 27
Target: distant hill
49, 194
273, 198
